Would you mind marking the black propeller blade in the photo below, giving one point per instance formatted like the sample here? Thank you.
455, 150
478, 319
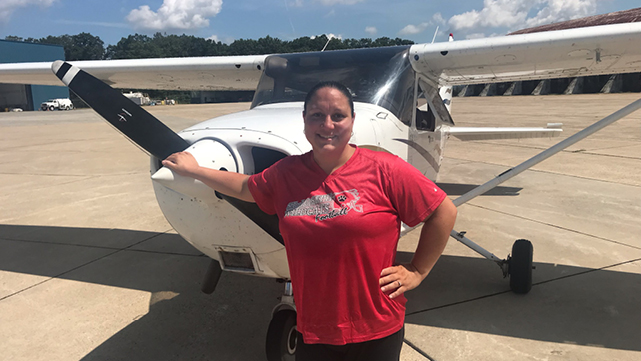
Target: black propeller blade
131, 120
145, 130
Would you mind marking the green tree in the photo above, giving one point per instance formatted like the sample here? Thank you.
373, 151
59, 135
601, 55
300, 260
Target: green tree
83, 46
12, 38
135, 46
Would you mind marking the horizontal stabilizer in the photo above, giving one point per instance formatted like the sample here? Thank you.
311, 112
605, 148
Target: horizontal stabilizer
486, 133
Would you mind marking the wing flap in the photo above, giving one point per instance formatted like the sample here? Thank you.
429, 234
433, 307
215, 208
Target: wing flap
487, 133
606, 49
200, 73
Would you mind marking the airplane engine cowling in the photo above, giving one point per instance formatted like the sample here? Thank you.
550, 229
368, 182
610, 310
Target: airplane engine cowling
211, 224
209, 154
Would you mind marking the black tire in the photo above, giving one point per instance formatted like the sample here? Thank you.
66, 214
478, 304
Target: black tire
52, 108
521, 266
282, 337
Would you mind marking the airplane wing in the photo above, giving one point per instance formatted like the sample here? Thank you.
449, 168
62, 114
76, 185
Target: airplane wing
487, 133
198, 73
606, 49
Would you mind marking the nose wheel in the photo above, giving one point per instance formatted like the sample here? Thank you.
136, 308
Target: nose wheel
282, 336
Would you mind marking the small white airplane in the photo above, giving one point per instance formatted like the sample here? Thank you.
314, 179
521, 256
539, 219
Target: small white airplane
402, 96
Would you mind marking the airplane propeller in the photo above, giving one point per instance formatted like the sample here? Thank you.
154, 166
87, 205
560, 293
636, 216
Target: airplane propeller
149, 134
142, 128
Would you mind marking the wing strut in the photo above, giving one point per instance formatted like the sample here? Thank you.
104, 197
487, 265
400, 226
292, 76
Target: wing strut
623, 112
504, 264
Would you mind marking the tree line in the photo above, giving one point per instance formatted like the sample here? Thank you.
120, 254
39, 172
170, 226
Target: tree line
85, 46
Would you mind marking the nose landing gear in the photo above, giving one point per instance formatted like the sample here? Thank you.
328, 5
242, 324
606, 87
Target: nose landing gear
282, 335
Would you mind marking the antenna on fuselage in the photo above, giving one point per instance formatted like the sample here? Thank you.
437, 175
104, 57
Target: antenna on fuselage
329, 38
435, 32
327, 43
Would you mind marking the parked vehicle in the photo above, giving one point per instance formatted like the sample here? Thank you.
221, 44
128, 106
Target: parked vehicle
138, 98
57, 104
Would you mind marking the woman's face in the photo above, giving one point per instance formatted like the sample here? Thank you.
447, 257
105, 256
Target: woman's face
328, 121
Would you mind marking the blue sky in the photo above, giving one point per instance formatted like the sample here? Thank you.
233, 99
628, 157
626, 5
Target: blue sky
227, 20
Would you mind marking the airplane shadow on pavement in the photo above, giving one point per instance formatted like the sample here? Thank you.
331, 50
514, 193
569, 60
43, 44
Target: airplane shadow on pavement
182, 323
566, 305
458, 189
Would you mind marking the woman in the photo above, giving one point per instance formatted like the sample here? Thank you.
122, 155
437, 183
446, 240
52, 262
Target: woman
340, 209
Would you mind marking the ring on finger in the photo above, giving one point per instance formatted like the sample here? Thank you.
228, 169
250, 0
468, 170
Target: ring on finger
399, 283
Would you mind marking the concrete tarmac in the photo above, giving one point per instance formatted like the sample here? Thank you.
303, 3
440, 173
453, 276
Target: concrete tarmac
91, 270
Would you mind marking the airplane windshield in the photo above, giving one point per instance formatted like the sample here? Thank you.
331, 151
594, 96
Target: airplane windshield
381, 76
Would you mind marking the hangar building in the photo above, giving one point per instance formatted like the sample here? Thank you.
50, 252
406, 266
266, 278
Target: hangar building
29, 97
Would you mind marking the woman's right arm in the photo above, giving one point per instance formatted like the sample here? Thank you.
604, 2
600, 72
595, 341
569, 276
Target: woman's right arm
229, 183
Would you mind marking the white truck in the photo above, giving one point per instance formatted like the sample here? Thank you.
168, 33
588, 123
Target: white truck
57, 104
138, 98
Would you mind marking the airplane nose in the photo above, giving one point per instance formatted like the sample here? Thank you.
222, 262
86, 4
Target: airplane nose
209, 154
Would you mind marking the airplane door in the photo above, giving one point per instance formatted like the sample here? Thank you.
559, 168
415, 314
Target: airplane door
426, 138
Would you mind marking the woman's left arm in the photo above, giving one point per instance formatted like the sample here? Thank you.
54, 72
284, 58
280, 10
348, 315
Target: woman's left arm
434, 235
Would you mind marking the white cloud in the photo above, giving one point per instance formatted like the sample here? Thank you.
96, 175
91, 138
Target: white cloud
329, 36
413, 29
475, 36
339, 2
516, 14
226, 40
371, 30
7, 7
495, 13
438, 19
175, 14
296, 3
561, 10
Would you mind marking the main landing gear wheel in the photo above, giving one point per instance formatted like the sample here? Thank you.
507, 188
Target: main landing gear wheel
282, 336
520, 266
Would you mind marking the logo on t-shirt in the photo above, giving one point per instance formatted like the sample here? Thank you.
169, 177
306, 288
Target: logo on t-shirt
325, 206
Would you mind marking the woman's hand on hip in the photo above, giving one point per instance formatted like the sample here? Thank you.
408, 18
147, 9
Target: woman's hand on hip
396, 280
